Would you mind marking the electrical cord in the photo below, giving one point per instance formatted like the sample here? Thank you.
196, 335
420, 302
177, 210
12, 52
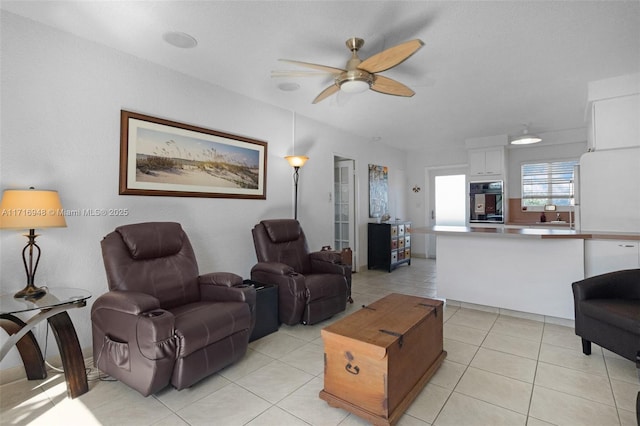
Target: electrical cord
93, 373
98, 376
46, 343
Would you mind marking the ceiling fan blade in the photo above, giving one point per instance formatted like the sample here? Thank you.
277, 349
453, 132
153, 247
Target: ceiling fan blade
391, 57
284, 73
389, 86
324, 68
326, 93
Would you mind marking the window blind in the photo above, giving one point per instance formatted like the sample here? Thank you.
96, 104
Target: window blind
548, 183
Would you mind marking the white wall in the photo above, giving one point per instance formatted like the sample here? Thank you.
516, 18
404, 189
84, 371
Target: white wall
60, 109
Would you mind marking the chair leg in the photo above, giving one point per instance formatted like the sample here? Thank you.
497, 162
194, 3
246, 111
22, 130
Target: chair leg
638, 397
586, 347
638, 408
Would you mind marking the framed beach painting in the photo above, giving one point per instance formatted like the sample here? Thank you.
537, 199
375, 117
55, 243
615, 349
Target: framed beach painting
166, 158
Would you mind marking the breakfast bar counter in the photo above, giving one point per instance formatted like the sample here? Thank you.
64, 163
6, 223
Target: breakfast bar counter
525, 232
521, 269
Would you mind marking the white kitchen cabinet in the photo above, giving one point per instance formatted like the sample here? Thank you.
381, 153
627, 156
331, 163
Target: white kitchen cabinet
610, 191
486, 162
614, 123
602, 256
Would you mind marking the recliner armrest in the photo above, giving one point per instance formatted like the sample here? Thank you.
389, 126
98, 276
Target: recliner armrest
135, 320
226, 279
273, 268
326, 256
226, 287
221, 293
128, 302
292, 290
329, 262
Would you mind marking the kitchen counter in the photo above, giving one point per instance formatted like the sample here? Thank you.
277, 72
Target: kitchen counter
534, 233
550, 224
527, 269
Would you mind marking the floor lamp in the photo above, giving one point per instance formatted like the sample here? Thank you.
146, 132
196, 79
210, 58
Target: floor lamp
296, 161
30, 209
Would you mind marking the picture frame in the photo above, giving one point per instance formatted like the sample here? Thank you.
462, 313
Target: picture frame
160, 157
378, 191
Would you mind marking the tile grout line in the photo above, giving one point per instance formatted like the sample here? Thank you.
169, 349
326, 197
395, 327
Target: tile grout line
613, 395
535, 372
435, 419
465, 369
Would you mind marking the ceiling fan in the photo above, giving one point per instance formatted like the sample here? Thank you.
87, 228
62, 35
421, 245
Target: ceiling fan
359, 75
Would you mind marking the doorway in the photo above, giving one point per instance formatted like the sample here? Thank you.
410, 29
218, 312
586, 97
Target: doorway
344, 206
447, 200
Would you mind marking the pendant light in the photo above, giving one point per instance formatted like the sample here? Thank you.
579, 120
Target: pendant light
525, 138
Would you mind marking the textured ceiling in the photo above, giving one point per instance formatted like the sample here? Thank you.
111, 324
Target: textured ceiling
486, 67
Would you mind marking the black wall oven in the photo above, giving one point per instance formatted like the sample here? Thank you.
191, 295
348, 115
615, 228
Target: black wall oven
486, 202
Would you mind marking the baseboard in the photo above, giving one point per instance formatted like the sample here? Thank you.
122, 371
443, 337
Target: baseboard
509, 312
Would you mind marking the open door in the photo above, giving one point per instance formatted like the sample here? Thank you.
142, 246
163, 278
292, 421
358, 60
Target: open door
344, 206
447, 200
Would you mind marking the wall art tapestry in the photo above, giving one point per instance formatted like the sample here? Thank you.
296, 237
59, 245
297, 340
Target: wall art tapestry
378, 191
162, 157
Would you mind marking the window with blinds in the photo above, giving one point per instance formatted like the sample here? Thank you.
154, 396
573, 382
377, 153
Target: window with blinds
547, 183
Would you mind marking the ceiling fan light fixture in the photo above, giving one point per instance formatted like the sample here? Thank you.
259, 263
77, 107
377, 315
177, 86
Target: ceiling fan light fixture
354, 86
355, 81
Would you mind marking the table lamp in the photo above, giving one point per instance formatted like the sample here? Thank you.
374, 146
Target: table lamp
30, 209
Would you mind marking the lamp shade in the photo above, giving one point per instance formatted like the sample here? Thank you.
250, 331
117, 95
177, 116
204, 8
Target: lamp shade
296, 160
31, 209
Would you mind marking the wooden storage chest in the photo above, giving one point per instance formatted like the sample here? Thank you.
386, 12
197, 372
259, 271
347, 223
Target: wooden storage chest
378, 359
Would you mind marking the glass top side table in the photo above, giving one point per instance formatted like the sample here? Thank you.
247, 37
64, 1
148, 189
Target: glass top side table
51, 307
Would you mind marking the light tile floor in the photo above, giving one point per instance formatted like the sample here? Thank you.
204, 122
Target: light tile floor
500, 370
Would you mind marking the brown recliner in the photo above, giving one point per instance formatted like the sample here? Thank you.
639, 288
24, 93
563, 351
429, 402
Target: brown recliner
161, 322
312, 286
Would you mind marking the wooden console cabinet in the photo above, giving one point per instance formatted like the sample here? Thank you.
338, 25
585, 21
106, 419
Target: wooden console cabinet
378, 359
389, 245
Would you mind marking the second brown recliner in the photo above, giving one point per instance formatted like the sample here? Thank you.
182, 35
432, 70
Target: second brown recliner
312, 286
